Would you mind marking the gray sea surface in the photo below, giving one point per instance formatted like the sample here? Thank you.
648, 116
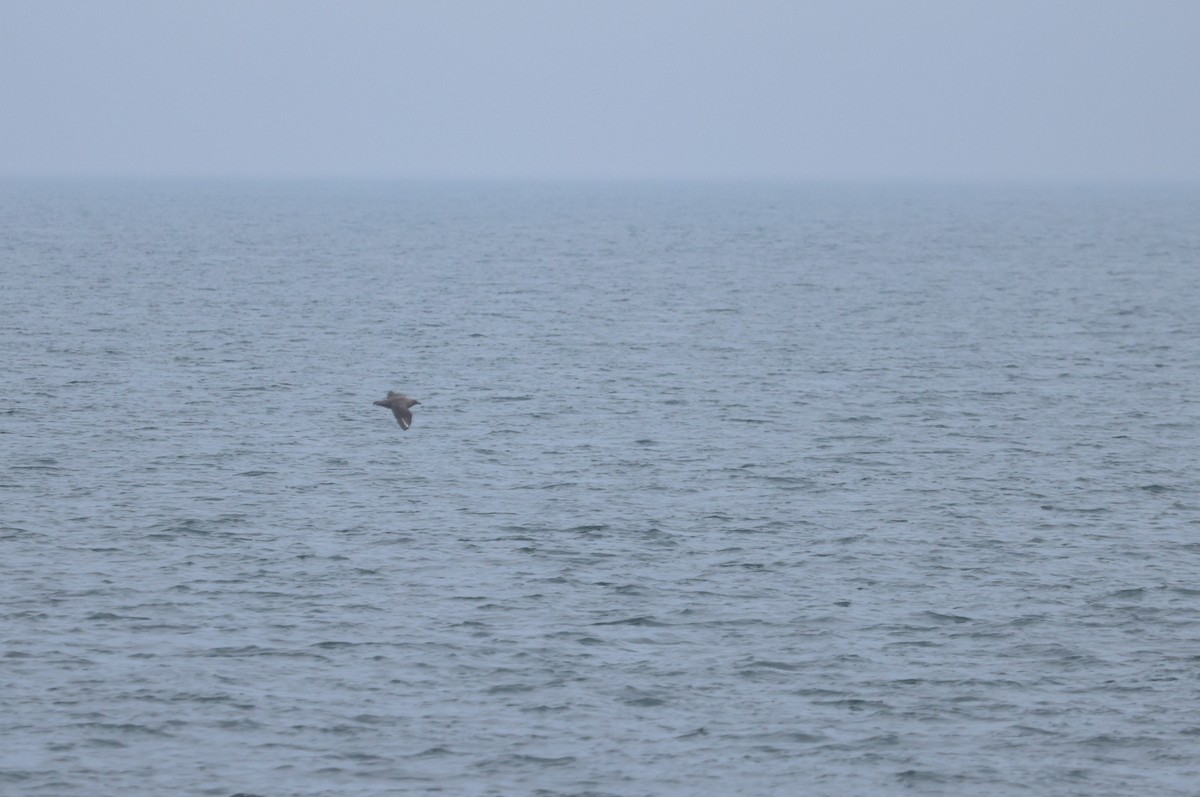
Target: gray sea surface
714, 489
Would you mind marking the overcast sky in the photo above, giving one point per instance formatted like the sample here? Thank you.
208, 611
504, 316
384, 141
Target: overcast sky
611, 89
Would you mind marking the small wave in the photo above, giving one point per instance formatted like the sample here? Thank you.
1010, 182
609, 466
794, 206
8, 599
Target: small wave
775, 665
540, 761
431, 752
949, 618
1083, 510
640, 620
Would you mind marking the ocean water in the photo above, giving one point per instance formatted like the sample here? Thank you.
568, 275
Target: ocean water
712, 490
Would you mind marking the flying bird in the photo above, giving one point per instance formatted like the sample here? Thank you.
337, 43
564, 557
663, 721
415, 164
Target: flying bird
399, 403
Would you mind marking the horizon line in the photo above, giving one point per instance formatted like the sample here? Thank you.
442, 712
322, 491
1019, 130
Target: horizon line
792, 180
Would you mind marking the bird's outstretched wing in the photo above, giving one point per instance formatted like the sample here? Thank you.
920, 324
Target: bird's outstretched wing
403, 416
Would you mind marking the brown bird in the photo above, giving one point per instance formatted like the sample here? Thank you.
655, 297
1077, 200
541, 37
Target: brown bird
399, 403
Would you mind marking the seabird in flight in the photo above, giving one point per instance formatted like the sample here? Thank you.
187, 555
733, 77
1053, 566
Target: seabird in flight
399, 403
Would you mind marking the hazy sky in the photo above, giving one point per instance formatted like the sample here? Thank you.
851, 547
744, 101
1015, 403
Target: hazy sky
782, 89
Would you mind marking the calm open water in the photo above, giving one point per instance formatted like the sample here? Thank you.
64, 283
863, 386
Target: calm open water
712, 490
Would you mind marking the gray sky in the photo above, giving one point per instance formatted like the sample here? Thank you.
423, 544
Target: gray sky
780, 89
